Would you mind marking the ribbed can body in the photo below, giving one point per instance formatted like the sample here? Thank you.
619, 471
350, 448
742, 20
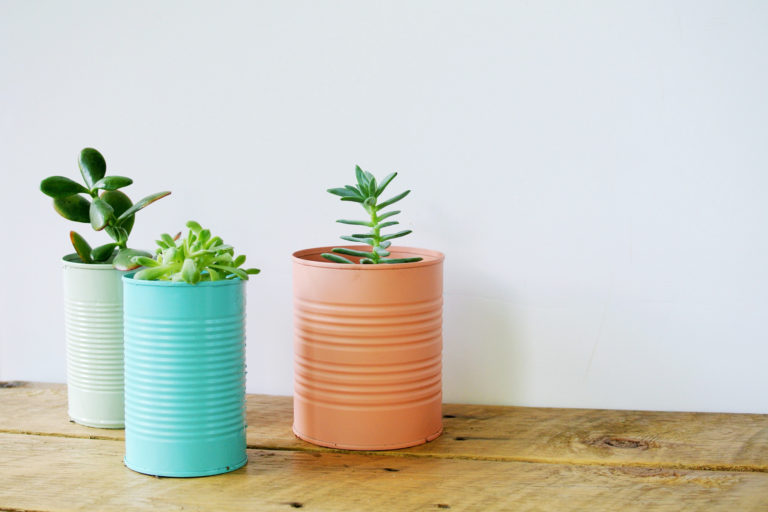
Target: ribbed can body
184, 377
93, 319
368, 351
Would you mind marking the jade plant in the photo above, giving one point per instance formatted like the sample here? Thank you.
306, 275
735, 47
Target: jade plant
100, 203
367, 192
195, 258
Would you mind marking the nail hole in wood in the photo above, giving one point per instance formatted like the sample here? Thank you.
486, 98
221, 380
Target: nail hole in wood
392, 470
296, 504
460, 438
448, 416
443, 505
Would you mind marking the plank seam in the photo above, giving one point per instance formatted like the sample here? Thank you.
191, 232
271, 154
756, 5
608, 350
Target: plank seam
412, 455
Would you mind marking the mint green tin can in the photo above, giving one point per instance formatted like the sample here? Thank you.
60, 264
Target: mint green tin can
184, 377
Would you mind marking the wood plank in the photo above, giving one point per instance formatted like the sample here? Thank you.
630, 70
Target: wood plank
730, 442
68, 474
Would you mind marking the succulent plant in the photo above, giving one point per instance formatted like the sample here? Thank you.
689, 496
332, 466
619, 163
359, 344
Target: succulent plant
111, 210
198, 257
367, 193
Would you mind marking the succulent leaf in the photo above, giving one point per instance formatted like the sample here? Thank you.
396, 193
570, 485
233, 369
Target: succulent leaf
119, 203
100, 214
356, 222
59, 186
393, 199
145, 261
103, 252
92, 166
142, 203
366, 241
82, 248
361, 181
343, 192
335, 258
189, 271
388, 214
400, 260
396, 235
194, 226
73, 208
168, 240
353, 252
384, 183
153, 273
112, 183
124, 259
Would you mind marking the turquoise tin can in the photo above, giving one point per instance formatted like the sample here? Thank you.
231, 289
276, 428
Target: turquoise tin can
184, 377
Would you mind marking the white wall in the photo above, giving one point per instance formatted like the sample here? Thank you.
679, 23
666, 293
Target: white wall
596, 173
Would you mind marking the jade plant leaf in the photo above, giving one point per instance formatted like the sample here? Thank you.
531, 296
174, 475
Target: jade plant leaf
103, 252
124, 259
93, 167
60, 186
82, 248
112, 182
142, 203
100, 214
74, 208
119, 203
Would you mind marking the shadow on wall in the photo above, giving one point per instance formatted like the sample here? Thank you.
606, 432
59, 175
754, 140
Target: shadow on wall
482, 358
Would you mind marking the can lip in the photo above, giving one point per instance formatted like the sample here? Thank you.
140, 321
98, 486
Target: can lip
311, 258
74, 261
128, 279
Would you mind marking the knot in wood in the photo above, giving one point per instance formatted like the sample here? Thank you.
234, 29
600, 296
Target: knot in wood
620, 442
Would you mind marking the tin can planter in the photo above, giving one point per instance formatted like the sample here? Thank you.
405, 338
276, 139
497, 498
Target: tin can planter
93, 319
368, 351
184, 377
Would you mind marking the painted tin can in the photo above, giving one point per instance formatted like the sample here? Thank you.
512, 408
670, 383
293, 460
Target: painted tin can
93, 319
367, 351
184, 377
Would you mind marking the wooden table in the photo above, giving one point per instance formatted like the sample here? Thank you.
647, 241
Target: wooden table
489, 458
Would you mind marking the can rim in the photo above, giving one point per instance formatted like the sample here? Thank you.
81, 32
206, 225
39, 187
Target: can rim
430, 258
128, 279
73, 260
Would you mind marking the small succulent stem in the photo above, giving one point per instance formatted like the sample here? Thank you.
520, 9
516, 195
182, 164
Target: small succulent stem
376, 234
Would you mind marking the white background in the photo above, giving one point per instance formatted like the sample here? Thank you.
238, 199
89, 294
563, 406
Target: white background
596, 173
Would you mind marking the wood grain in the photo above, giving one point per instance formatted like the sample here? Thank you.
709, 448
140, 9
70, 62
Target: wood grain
66, 474
729, 442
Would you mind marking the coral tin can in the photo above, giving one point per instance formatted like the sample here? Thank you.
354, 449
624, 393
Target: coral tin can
93, 319
184, 377
368, 350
